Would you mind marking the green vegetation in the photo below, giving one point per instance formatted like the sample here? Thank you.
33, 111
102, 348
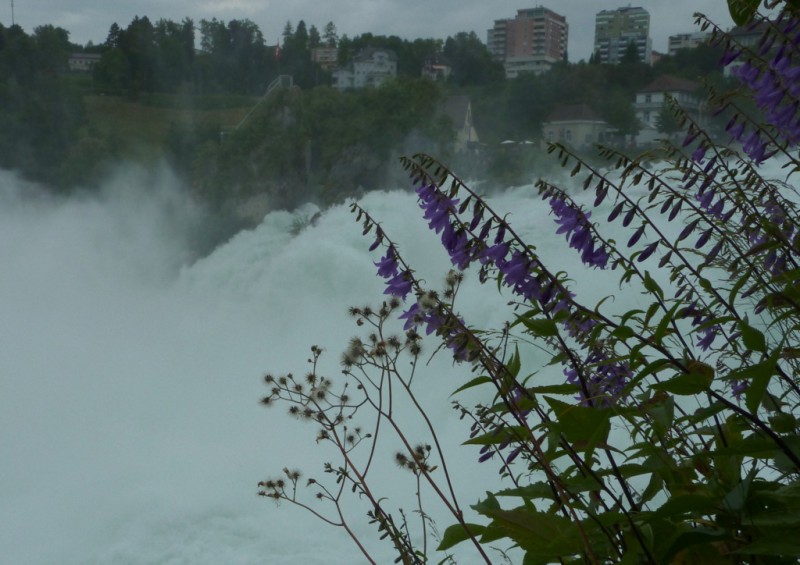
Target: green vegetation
152, 96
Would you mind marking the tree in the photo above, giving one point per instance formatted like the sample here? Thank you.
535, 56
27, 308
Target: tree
472, 62
112, 39
631, 54
236, 57
667, 121
53, 46
138, 44
313, 37
329, 35
288, 31
617, 109
300, 37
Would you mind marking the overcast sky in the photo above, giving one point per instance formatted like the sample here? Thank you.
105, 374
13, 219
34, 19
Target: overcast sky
90, 19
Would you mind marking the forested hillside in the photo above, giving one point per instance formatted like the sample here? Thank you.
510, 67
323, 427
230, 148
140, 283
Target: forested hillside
193, 94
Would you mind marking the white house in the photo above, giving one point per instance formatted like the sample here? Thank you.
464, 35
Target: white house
82, 62
370, 67
576, 125
651, 99
436, 67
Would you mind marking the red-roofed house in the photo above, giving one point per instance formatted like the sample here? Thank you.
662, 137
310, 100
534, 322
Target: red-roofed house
651, 99
576, 125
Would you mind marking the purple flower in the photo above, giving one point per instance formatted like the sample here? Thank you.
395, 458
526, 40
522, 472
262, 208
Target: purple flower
387, 266
495, 253
699, 153
603, 379
413, 317
738, 388
708, 336
400, 285
575, 224
648, 251
775, 88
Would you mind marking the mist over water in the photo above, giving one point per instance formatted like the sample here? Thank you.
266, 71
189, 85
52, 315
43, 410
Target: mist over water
130, 429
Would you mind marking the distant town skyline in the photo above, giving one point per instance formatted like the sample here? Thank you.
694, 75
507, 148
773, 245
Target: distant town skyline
88, 20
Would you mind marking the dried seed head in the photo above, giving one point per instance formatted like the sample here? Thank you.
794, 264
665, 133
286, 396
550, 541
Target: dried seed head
453, 278
428, 300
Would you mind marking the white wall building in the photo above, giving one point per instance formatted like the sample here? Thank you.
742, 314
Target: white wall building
651, 101
370, 67
687, 41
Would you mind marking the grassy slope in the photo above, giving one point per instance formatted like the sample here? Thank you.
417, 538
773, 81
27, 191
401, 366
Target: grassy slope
140, 130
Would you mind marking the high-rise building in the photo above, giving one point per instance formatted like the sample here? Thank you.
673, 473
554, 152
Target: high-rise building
530, 42
616, 29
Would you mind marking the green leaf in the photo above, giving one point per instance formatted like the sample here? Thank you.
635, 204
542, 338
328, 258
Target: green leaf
759, 376
652, 286
663, 414
565, 388
623, 332
502, 435
742, 11
584, 427
514, 364
541, 327
540, 534
485, 506
694, 504
456, 533
685, 385
692, 537
781, 542
473, 383
661, 329
533, 490
752, 338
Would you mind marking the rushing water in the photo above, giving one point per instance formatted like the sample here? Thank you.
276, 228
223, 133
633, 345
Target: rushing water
130, 429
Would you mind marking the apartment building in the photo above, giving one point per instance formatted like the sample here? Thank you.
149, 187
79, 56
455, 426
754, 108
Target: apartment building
533, 41
616, 29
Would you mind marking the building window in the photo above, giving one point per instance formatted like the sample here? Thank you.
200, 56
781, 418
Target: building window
568, 135
647, 117
648, 98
